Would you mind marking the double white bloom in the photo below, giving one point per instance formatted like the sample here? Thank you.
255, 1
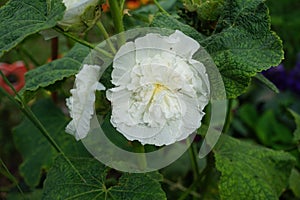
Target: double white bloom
159, 95
160, 90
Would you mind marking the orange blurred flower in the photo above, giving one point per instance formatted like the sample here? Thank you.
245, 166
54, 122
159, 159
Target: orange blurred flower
134, 4
129, 4
105, 6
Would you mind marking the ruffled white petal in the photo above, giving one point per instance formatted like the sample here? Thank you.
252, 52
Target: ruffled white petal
124, 61
81, 103
185, 45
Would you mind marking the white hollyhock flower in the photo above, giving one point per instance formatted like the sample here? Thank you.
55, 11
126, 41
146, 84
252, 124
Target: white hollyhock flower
81, 103
160, 91
74, 9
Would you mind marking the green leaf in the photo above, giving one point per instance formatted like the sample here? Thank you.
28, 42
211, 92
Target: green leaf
248, 114
63, 183
271, 132
36, 151
210, 10
294, 182
34, 195
242, 44
245, 44
20, 19
250, 171
297, 121
57, 70
239, 55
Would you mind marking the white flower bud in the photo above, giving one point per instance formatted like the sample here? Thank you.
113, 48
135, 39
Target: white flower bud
74, 10
81, 103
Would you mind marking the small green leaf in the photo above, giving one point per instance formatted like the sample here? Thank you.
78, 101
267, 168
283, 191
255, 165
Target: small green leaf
250, 171
36, 151
63, 183
20, 19
57, 70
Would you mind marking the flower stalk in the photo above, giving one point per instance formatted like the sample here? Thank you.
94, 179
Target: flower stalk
83, 42
228, 116
193, 158
106, 36
11, 178
160, 8
142, 160
117, 16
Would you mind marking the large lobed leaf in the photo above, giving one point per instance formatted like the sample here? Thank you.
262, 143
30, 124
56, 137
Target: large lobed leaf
245, 45
36, 151
252, 172
63, 183
20, 19
242, 44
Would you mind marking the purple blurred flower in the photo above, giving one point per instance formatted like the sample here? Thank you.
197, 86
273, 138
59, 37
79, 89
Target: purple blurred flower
285, 79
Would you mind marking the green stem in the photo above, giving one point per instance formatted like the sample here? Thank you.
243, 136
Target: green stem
206, 175
193, 157
83, 42
122, 5
31, 116
106, 36
228, 116
11, 177
117, 16
138, 148
160, 8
